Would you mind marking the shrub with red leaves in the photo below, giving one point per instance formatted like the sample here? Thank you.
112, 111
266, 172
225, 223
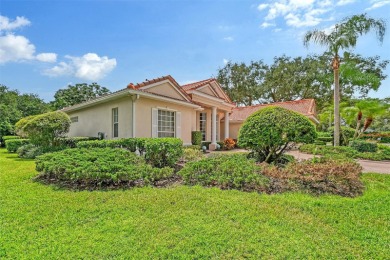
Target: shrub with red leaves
229, 143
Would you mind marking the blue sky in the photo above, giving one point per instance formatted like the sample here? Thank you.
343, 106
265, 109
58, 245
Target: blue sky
46, 45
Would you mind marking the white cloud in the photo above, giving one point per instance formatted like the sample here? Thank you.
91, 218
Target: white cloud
296, 13
229, 38
345, 2
262, 6
47, 57
59, 70
88, 67
266, 25
277, 30
377, 4
15, 48
225, 61
7, 25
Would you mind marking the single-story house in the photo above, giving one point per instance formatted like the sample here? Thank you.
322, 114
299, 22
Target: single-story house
162, 108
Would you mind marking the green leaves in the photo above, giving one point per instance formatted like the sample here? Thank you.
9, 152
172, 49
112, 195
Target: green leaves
77, 94
269, 131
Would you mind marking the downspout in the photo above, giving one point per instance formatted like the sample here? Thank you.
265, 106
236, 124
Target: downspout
134, 99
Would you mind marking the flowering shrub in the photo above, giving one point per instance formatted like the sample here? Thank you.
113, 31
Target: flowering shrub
229, 143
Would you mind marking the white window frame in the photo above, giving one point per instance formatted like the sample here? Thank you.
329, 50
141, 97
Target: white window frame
115, 122
165, 118
203, 118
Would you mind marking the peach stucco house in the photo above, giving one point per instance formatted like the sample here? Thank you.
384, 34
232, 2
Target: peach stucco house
162, 108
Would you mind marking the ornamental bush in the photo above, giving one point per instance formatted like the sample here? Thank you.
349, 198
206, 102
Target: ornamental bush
13, 145
196, 137
269, 131
363, 146
43, 129
99, 167
162, 152
7, 137
226, 172
229, 143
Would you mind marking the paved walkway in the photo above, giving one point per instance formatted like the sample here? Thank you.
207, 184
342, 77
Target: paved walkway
368, 166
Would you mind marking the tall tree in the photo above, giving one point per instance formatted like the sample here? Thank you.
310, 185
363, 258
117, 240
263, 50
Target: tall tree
76, 94
243, 82
343, 36
14, 106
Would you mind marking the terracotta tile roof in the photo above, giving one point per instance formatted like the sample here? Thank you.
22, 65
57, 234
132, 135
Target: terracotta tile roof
305, 107
138, 86
196, 85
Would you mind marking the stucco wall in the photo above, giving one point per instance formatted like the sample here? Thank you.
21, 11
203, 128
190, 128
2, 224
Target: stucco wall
233, 129
166, 89
143, 110
98, 118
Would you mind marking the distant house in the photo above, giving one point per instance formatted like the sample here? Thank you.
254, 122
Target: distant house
162, 108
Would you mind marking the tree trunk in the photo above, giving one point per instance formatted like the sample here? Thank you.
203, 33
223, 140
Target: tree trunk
336, 134
359, 121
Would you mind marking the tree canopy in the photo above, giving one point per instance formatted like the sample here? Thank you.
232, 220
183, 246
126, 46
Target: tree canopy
77, 94
290, 78
14, 106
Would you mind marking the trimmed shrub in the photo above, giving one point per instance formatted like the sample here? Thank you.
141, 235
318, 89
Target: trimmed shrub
7, 137
21, 124
190, 155
226, 172
71, 142
99, 167
13, 145
343, 152
31, 151
162, 152
363, 146
321, 176
383, 137
269, 131
195, 147
43, 129
229, 143
196, 137
126, 143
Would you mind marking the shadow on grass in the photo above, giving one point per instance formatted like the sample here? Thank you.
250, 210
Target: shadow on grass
17, 159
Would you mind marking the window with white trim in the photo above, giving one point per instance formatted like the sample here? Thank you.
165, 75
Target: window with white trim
115, 122
166, 123
203, 124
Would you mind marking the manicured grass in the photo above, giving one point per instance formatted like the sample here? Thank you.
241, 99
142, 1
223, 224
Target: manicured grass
42, 222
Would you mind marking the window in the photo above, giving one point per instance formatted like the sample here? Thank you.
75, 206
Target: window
166, 124
74, 119
202, 125
115, 125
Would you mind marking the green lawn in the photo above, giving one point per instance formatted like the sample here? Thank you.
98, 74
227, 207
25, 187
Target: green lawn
42, 222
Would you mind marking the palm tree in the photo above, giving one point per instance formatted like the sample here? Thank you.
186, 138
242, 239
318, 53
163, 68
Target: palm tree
343, 36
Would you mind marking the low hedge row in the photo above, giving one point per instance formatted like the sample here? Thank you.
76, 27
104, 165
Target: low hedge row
363, 146
380, 137
322, 176
12, 145
383, 152
131, 144
72, 142
159, 152
99, 167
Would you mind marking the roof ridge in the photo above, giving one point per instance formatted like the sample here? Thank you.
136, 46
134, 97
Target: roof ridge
280, 102
197, 82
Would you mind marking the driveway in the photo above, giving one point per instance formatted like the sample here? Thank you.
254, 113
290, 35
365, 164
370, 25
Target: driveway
368, 166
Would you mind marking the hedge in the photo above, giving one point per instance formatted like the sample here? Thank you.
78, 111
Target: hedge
162, 152
196, 137
71, 142
8, 137
363, 146
97, 167
131, 144
12, 145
